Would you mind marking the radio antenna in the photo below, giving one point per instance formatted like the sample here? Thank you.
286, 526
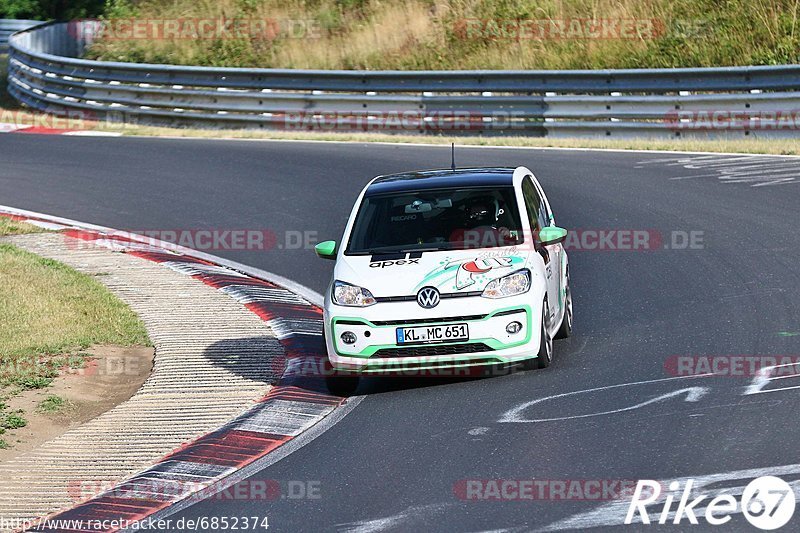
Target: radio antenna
452, 156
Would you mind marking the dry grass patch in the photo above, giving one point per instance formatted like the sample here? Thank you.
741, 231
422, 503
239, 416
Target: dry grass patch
430, 34
750, 146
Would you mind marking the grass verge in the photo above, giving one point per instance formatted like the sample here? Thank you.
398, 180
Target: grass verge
9, 226
50, 313
48, 310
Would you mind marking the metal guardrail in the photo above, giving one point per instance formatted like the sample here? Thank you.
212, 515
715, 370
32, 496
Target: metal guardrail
8, 27
46, 73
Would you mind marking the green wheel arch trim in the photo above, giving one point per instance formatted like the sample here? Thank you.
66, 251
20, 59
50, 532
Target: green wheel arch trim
490, 342
326, 249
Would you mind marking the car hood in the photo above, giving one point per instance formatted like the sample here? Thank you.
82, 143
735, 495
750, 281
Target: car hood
461, 271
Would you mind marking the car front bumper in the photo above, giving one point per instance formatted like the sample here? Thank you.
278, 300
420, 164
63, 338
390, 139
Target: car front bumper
377, 351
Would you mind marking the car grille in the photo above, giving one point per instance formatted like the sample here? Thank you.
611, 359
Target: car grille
413, 297
465, 318
432, 350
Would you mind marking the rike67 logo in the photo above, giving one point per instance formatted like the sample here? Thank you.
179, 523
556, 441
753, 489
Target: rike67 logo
767, 503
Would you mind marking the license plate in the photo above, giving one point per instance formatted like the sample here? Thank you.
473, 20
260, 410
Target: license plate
427, 334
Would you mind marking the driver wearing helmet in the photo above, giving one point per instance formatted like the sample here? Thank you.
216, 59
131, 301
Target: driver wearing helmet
481, 229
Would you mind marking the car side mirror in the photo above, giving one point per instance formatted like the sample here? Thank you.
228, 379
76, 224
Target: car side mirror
326, 249
552, 235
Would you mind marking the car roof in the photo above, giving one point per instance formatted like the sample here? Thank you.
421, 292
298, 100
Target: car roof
442, 179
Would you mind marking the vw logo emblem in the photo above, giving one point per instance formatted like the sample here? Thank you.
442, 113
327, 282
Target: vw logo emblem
428, 297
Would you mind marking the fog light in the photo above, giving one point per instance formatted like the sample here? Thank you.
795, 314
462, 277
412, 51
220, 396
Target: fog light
514, 327
348, 337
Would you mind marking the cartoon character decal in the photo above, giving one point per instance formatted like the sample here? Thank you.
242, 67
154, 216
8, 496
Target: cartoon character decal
468, 272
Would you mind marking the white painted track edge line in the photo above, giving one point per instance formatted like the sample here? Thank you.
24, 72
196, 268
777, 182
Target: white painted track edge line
309, 294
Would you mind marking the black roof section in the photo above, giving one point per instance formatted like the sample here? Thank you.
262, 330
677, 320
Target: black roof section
442, 179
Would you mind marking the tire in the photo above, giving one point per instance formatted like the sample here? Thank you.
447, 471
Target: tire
342, 385
545, 355
566, 324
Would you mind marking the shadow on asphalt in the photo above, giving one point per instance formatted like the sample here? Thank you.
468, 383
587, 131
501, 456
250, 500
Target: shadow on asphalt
300, 361
412, 380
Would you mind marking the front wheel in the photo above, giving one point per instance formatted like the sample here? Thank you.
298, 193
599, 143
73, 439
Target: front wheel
566, 324
545, 355
546, 343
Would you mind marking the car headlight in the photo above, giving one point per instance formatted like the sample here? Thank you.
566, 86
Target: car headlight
515, 283
351, 296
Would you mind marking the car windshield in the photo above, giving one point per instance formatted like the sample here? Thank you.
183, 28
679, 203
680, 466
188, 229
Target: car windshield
443, 219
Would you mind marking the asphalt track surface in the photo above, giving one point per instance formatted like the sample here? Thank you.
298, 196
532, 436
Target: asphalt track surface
392, 464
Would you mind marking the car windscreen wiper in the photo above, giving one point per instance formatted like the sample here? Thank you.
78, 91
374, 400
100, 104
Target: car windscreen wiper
396, 250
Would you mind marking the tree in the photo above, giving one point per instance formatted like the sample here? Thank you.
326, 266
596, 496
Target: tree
50, 9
